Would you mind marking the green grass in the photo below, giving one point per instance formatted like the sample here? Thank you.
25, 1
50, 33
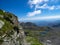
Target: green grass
32, 37
1, 12
6, 27
33, 40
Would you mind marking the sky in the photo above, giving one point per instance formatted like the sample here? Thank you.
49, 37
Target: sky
32, 9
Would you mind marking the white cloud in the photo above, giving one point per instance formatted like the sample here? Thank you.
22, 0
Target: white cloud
42, 7
32, 3
35, 4
35, 1
45, 6
46, 0
34, 13
41, 18
52, 8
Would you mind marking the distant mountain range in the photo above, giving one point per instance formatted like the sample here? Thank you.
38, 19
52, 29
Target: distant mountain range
29, 25
48, 23
38, 24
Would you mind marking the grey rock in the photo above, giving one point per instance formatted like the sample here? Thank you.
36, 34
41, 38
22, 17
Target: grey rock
1, 24
1, 16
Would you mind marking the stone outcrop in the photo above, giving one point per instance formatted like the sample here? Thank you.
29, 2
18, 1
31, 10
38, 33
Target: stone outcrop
1, 24
11, 33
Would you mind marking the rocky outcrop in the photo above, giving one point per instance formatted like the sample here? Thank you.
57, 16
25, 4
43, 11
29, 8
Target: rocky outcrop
1, 24
11, 33
15, 39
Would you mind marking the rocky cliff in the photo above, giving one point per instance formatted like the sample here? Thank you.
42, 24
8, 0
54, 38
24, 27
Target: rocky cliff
11, 33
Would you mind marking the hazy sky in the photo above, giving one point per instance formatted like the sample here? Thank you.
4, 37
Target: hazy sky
32, 9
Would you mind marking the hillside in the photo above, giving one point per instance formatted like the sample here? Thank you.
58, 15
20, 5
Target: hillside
11, 33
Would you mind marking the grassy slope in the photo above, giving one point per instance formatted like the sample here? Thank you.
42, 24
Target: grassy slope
33, 40
7, 27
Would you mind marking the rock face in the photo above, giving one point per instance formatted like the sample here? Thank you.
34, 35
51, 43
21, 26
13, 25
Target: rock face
15, 39
1, 24
11, 33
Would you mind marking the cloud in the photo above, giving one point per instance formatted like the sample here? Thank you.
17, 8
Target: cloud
34, 13
36, 2
52, 7
41, 18
46, 4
